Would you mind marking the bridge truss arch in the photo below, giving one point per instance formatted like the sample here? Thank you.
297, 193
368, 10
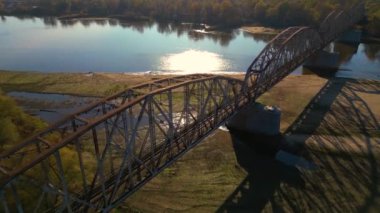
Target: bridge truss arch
282, 55
293, 46
116, 152
114, 146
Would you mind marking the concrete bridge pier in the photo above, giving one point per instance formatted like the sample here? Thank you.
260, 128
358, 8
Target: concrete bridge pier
323, 61
257, 119
260, 125
353, 36
328, 60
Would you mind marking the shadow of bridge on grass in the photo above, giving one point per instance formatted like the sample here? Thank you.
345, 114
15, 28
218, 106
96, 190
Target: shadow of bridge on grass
331, 158
97, 157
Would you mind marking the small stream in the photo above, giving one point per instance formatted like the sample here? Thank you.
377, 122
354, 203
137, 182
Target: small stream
50, 107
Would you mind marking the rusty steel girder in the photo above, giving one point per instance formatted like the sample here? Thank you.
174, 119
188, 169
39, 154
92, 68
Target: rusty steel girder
281, 56
293, 46
94, 110
95, 158
127, 146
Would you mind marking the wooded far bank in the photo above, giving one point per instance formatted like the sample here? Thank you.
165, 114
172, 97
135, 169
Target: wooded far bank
231, 13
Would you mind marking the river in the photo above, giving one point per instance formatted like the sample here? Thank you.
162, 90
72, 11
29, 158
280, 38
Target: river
108, 45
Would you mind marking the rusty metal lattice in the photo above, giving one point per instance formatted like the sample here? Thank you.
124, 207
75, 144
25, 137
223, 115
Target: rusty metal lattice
94, 159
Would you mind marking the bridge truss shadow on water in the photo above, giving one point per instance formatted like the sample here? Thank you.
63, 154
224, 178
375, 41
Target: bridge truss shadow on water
339, 136
94, 159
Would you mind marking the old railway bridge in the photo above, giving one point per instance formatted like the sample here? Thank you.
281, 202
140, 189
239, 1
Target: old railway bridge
116, 145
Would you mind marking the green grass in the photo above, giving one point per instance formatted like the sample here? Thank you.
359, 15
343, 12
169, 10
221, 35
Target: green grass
15, 125
98, 84
345, 151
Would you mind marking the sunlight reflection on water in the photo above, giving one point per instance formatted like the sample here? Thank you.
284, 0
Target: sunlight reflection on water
194, 61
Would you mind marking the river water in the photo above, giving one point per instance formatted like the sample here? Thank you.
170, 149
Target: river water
108, 45
50, 45
50, 107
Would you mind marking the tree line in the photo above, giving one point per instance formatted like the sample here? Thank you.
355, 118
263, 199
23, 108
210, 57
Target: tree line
276, 13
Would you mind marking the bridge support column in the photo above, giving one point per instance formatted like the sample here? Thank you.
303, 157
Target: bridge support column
259, 127
351, 37
257, 119
323, 61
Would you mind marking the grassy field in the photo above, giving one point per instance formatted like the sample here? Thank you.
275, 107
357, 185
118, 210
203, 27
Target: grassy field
93, 84
338, 132
331, 123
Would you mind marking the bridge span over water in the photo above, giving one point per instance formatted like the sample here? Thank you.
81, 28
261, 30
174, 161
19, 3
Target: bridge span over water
97, 157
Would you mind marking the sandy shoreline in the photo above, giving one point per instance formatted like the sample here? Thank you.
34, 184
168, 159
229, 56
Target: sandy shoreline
261, 30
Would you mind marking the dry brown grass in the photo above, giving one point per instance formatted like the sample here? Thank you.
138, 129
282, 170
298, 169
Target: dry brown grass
96, 84
345, 180
339, 135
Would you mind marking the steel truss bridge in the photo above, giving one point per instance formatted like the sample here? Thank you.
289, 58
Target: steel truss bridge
95, 158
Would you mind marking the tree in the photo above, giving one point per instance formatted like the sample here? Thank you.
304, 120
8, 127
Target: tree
77, 5
275, 13
62, 6
374, 26
97, 7
1, 5
112, 5
260, 11
229, 13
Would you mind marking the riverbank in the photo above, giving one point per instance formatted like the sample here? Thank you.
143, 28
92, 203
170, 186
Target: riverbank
105, 84
93, 84
211, 12
124, 17
82, 84
261, 30
331, 123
